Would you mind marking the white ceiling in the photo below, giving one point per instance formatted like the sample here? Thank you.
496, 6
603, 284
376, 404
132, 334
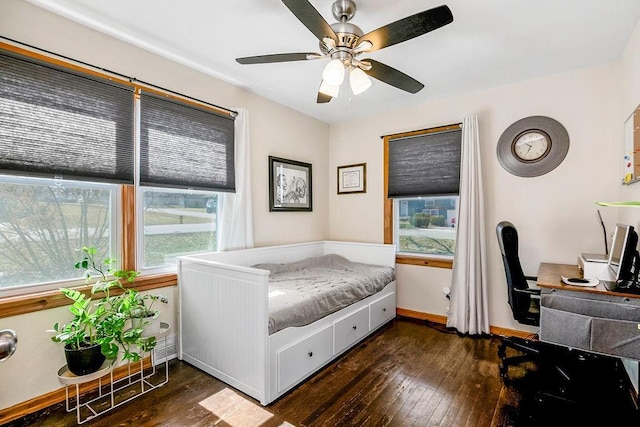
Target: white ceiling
490, 43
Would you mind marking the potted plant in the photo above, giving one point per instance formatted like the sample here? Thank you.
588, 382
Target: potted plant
97, 330
82, 346
143, 315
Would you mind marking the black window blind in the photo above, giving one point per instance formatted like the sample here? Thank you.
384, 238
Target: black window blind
425, 165
183, 146
54, 122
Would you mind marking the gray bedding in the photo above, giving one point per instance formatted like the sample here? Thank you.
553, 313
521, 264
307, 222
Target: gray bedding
302, 292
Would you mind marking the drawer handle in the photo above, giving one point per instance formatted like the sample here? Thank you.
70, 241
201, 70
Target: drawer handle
310, 354
384, 309
355, 327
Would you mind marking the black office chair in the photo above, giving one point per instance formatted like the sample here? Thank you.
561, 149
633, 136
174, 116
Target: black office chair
525, 306
523, 300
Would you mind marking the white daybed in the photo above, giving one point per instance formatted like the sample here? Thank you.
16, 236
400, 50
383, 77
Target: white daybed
224, 317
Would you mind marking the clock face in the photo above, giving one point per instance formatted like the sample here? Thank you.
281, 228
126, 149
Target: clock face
531, 146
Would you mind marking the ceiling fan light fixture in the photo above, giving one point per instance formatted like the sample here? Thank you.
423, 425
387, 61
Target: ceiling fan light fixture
363, 46
333, 73
344, 42
329, 89
359, 81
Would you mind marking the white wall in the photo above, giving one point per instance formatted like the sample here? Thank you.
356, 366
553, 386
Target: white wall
630, 99
275, 130
555, 213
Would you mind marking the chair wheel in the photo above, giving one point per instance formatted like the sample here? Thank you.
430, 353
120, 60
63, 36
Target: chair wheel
502, 350
504, 370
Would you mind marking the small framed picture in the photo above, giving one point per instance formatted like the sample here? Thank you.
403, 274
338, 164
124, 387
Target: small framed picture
289, 185
352, 179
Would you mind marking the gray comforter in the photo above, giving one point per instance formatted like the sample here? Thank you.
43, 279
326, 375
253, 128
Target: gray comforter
302, 292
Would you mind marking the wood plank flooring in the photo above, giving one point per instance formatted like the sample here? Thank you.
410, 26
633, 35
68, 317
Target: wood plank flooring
410, 373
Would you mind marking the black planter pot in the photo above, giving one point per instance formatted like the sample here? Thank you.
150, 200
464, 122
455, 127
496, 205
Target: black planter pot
84, 361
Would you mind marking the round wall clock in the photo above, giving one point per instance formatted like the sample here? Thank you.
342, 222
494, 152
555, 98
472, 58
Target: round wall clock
533, 146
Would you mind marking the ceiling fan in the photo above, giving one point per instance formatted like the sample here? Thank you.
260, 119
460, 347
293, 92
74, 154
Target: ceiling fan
344, 42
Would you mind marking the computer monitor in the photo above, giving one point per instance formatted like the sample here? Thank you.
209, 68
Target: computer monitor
623, 253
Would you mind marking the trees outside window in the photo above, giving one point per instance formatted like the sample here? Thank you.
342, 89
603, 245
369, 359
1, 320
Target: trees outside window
43, 223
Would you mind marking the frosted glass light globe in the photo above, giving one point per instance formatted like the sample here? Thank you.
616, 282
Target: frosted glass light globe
333, 73
359, 81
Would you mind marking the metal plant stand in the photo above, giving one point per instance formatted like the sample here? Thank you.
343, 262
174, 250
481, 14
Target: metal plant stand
113, 393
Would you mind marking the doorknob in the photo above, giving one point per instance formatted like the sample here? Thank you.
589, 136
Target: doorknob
8, 343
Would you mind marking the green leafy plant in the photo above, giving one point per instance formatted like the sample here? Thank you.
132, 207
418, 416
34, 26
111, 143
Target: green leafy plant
143, 305
82, 330
141, 313
99, 318
437, 221
421, 220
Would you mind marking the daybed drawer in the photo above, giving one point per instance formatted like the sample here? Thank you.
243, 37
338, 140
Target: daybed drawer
300, 359
382, 310
350, 329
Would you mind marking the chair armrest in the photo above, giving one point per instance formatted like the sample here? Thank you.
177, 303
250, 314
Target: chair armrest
532, 278
532, 292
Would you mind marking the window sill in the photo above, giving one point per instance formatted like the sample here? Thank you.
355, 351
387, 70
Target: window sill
425, 261
22, 304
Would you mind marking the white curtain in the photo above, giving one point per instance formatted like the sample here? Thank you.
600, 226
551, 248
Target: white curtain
468, 311
235, 225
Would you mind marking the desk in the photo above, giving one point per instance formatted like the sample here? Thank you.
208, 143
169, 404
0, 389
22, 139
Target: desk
549, 278
588, 318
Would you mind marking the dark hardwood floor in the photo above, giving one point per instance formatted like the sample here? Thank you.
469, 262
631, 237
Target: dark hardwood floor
408, 374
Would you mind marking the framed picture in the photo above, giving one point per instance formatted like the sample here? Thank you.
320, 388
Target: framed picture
289, 185
352, 179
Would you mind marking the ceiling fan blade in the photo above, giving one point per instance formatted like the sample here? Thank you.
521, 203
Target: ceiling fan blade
393, 77
278, 57
323, 98
309, 16
409, 27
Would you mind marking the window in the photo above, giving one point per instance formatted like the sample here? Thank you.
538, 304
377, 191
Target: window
77, 146
43, 223
425, 231
176, 223
422, 175
64, 135
182, 148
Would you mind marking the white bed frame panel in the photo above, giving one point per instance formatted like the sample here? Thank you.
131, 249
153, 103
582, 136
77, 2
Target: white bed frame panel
224, 316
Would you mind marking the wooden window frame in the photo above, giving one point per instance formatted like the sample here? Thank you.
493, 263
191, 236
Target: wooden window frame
420, 260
